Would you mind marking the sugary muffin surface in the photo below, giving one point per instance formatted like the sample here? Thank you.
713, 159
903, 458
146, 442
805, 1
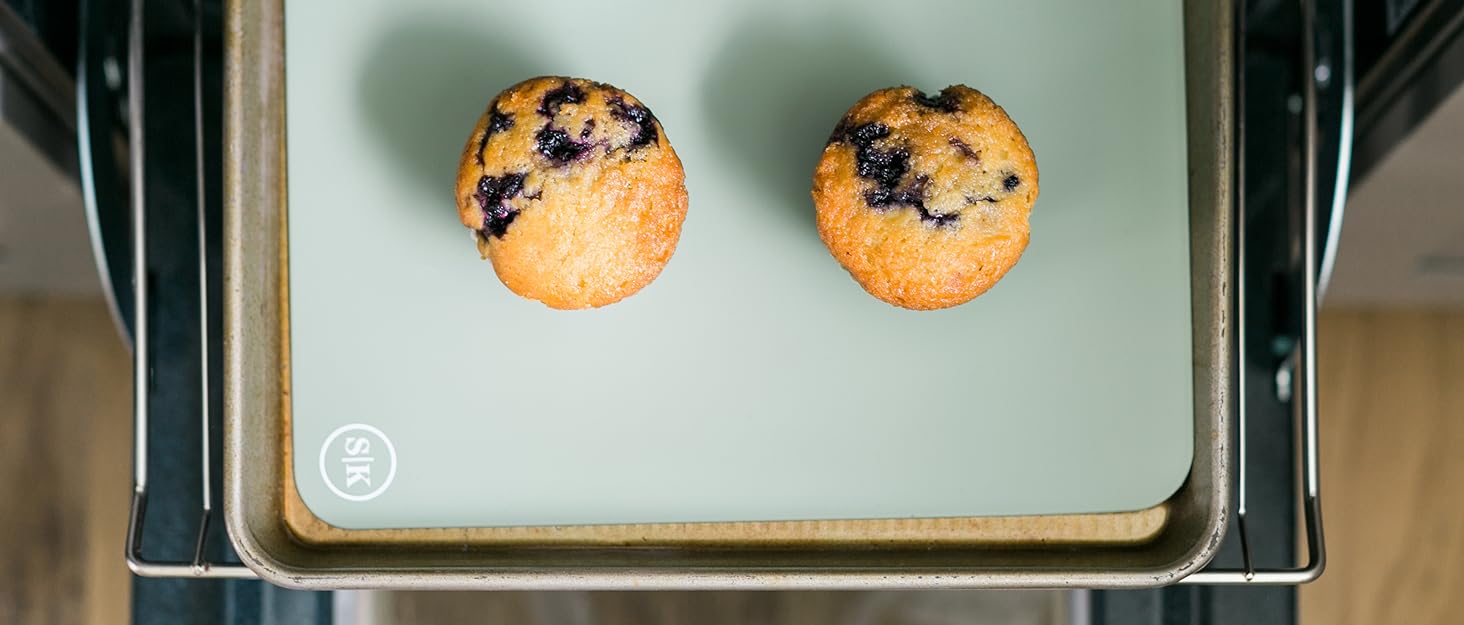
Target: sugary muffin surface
925, 199
572, 190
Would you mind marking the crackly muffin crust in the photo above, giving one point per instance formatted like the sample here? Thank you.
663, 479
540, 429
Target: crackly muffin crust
572, 190
925, 199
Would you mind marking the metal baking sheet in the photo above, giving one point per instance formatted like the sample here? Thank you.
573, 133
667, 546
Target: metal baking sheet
810, 400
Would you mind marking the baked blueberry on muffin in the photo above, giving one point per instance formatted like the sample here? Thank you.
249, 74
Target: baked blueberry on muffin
923, 198
572, 191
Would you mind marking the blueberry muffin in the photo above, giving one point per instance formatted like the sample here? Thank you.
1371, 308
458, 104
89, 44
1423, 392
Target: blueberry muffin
924, 200
572, 191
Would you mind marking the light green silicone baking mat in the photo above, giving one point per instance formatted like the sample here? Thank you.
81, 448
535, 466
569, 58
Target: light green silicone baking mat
754, 380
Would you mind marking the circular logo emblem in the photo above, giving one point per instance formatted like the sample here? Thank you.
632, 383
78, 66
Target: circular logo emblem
357, 462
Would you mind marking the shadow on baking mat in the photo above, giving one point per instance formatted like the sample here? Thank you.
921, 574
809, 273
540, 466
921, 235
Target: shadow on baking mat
422, 90
777, 88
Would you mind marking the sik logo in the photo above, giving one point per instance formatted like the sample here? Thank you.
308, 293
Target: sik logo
357, 462
358, 465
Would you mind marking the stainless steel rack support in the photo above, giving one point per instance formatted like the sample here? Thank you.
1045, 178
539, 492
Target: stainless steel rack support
142, 371
1306, 355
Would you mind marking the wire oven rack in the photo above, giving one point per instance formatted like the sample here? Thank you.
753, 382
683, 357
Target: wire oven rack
1303, 359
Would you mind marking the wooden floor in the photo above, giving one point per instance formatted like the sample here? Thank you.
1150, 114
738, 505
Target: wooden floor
1392, 404
65, 441
1392, 392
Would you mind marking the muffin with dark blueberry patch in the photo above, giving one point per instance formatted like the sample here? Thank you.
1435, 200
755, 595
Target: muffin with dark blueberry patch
924, 199
572, 190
